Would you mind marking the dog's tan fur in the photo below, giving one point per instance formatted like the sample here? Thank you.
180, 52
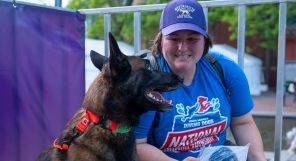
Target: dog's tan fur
118, 94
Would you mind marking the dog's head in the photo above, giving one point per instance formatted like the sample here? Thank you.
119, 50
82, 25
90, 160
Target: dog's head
133, 86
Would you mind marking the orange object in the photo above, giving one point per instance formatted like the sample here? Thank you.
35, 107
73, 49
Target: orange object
85, 121
63, 147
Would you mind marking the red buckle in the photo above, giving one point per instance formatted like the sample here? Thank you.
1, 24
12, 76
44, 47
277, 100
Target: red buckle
86, 119
94, 118
63, 147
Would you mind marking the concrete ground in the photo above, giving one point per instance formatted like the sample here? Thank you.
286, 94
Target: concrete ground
284, 156
265, 105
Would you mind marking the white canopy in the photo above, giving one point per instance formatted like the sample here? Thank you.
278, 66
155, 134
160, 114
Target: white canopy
252, 67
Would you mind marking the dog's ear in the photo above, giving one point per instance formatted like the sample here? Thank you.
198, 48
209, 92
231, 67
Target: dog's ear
118, 62
97, 59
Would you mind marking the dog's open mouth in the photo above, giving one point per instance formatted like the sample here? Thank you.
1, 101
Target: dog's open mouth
153, 95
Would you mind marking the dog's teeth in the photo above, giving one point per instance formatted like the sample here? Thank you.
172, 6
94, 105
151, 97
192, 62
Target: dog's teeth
150, 95
154, 98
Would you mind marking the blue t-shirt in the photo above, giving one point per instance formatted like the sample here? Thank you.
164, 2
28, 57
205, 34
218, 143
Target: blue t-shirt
202, 111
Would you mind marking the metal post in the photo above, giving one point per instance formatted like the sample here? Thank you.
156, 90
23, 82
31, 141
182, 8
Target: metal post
107, 29
241, 35
280, 81
137, 32
58, 3
205, 10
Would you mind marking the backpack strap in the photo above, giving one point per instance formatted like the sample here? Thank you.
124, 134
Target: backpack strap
217, 66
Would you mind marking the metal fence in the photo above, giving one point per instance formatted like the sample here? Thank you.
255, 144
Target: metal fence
241, 7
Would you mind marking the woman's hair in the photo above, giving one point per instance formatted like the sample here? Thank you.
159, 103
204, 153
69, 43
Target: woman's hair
156, 45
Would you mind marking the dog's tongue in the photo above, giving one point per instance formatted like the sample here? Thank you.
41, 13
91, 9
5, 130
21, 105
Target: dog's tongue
159, 97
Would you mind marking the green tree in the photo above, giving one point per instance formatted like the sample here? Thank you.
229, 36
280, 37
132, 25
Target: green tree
261, 24
150, 23
121, 24
261, 21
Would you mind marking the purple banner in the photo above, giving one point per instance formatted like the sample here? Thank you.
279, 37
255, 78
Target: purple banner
42, 76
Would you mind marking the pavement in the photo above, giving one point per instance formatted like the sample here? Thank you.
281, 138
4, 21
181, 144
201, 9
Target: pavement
284, 156
265, 105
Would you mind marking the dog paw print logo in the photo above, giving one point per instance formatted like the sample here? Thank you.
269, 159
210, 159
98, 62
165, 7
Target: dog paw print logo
184, 11
215, 103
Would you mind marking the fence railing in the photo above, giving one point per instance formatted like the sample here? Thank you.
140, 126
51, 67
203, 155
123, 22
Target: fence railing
241, 6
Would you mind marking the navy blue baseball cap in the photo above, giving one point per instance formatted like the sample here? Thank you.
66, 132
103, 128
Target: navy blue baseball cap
183, 15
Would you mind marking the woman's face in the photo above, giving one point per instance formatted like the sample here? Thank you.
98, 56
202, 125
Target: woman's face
182, 50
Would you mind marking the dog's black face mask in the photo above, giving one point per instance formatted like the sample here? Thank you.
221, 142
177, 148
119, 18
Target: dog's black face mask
133, 82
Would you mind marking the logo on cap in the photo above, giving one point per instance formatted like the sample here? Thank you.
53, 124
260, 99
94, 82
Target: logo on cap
184, 11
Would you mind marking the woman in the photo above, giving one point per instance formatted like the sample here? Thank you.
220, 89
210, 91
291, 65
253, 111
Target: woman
203, 108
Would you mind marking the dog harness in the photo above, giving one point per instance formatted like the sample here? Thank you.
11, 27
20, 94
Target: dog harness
63, 144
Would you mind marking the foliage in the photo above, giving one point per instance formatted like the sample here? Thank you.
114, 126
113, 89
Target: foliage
150, 24
261, 21
120, 23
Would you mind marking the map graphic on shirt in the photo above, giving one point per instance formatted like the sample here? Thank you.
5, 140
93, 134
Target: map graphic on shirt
203, 121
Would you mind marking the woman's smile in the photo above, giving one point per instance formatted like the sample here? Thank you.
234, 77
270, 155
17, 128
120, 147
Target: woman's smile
182, 50
183, 56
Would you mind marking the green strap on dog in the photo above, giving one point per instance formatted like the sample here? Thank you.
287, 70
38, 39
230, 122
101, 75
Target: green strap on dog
123, 129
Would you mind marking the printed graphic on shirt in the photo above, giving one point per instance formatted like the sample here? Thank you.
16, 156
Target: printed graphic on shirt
203, 121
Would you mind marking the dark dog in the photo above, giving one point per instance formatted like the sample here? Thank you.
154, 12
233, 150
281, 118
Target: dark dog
103, 129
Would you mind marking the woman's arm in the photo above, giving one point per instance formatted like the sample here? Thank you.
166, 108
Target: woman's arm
147, 152
245, 131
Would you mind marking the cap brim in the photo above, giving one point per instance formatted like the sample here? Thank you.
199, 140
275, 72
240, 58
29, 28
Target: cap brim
183, 26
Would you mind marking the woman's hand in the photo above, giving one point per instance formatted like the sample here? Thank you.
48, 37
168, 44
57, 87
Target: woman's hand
191, 159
